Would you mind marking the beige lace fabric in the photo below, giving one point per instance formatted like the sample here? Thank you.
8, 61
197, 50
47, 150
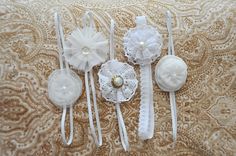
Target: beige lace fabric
204, 34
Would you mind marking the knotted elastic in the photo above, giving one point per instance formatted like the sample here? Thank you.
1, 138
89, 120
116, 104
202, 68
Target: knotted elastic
171, 74
172, 93
89, 76
142, 46
60, 41
86, 48
117, 91
122, 130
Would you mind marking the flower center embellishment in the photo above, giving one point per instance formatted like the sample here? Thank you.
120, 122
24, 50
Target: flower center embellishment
117, 81
85, 50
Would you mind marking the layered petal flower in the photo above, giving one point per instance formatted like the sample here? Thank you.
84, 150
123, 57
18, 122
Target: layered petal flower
86, 48
142, 44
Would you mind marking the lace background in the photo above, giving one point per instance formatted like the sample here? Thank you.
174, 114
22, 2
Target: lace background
204, 35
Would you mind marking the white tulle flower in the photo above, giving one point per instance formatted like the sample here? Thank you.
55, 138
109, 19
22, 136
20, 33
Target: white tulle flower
117, 80
86, 48
142, 44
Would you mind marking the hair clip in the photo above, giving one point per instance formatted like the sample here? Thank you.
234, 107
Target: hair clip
86, 48
171, 74
64, 86
142, 45
118, 83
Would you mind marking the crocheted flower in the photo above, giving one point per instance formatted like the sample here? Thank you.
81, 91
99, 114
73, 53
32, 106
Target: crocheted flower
117, 81
171, 73
86, 48
64, 87
142, 44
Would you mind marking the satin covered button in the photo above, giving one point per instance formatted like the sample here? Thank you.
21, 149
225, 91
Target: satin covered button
64, 87
171, 73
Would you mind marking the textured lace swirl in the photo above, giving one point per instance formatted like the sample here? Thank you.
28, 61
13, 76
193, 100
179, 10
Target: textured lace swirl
115, 68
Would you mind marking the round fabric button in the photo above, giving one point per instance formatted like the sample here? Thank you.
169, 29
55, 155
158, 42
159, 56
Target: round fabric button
171, 73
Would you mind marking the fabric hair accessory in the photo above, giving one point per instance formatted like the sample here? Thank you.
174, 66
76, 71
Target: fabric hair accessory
64, 86
118, 83
171, 75
142, 45
86, 48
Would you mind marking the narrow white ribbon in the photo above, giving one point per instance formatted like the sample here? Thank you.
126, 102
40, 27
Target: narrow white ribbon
112, 51
146, 116
122, 130
60, 42
63, 126
172, 94
98, 139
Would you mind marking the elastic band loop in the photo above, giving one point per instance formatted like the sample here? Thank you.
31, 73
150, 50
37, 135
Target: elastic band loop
173, 115
140, 20
88, 16
98, 141
172, 94
112, 51
122, 130
171, 50
63, 126
60, 40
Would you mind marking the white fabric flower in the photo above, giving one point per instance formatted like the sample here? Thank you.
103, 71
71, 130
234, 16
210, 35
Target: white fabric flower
142, 44
64, 87
117, 80
86, 48
171, 73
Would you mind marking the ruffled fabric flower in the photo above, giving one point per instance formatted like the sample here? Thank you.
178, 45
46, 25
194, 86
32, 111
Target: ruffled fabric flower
86, 48
125, 86
142, 44
171, 73
64, 87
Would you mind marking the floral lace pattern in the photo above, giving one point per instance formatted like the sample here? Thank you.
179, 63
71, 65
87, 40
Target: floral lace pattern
126, 72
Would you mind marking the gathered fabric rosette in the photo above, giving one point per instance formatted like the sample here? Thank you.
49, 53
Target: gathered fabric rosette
64, 86
171, 75
142, 45
85, 48
118, 83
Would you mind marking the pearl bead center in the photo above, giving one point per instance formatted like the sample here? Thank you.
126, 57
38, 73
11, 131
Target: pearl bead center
142, 45
117, 81
85, 50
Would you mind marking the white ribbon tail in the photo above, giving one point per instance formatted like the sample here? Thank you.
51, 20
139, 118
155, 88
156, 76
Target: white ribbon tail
123, 133
173, 115
146, 116
98, 140
171, 50
63, 126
